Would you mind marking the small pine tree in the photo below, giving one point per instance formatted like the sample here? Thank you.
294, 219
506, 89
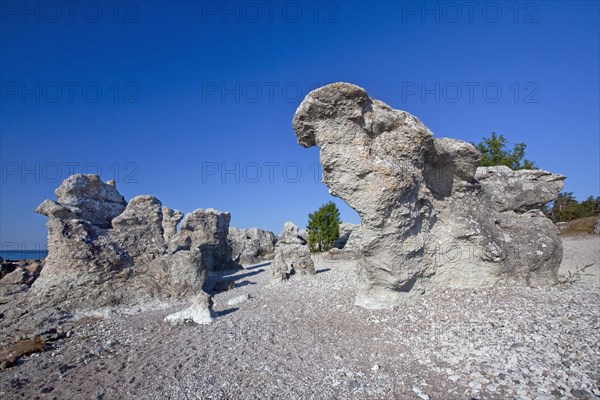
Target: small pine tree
494, 151
323, 227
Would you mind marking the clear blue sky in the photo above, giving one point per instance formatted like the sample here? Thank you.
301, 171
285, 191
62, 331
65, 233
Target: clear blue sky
168, 94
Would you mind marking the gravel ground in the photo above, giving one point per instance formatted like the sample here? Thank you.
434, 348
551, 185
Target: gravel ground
305, 339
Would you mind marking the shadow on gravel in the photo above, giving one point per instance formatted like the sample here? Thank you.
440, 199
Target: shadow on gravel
228, 311
238, 277
320, 271
259, 265
222, 282
244, 283
231, 275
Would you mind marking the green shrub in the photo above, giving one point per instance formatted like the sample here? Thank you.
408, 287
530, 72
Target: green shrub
323, 227
494, 151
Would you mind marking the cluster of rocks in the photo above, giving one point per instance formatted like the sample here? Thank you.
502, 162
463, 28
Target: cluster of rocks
21, 272
498, 343
430, 217
103, 251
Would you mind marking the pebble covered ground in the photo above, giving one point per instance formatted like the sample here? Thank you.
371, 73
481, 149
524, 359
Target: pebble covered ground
306, 339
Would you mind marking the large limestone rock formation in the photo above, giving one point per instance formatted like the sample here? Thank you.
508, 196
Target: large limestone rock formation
103, 251
251, 246
430, 218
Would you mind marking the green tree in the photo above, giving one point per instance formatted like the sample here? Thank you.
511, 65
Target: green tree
323, 227
566, 208
494, 151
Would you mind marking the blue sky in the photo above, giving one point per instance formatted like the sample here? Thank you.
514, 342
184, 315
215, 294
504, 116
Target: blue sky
192, 101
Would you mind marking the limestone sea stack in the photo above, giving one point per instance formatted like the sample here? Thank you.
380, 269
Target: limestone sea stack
103, 251
430, 217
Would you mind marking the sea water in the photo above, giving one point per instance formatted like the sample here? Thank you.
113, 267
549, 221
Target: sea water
23, 254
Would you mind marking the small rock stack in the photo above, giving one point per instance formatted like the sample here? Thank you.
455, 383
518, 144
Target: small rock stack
292, 256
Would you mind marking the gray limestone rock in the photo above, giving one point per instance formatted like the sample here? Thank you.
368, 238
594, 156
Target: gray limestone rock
348, 243
139, 228
199, 312
90, 199
302, 263
298, 258
105, 252
279, 269
206, 231
17, 277
171, 218
427, 221
292, 250
291, 234
251, 246
520, 190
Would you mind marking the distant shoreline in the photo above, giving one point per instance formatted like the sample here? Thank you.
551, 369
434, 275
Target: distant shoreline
16, 255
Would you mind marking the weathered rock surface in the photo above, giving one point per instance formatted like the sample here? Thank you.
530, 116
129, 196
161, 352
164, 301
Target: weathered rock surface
519, 190
291, 234
171, 218
200, 312
175, 276
345, 231
17, 277
206, 231
103, 251
596, 230
251, 246
292, 260
348, 243
139, 230
301, 263
86, 197
29, 269
427, 221
303, 233
292, 254
279, 269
